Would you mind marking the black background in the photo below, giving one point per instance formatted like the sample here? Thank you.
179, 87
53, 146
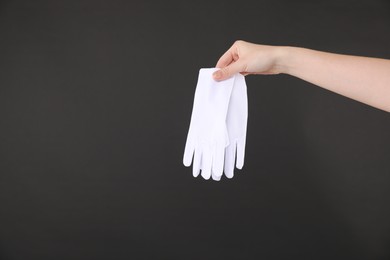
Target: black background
95, 103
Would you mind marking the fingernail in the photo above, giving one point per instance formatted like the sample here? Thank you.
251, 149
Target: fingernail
217, 74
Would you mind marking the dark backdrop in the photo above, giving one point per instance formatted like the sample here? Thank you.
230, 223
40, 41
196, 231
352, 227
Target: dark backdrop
95, 104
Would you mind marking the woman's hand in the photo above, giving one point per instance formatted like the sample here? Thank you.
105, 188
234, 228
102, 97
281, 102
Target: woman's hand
248, 58
363, 79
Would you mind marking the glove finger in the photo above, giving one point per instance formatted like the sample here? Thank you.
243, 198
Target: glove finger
215, 177
218, 158
240, 153
230, 154
188, 153
197, 162
206, 163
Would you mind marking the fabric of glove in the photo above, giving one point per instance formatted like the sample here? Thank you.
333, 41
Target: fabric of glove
208, 136
236, 122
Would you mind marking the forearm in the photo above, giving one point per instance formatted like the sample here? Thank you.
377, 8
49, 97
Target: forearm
361, 78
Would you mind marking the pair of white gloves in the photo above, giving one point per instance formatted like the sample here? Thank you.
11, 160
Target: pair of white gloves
217, 134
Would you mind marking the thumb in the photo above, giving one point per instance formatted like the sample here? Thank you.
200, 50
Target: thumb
228, 71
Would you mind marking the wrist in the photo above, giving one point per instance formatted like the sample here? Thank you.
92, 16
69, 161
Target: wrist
283, 58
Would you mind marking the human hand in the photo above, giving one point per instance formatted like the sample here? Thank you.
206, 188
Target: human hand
248, 58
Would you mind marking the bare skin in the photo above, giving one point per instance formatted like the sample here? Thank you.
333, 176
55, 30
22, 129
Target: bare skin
361, 78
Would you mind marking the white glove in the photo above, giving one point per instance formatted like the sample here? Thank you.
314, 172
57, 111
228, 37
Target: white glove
207, 137
236, 121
